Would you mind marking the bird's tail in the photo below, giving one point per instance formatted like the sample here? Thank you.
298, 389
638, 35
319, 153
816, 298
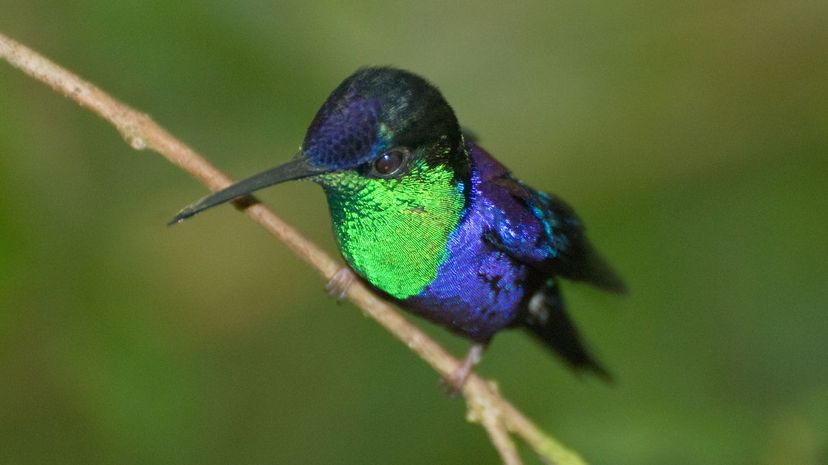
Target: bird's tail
592, 268
546, 318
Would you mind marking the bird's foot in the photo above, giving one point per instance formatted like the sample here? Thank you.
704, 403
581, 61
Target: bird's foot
340, 282
457, 379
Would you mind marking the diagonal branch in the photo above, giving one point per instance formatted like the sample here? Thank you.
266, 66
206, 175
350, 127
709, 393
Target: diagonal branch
485, 404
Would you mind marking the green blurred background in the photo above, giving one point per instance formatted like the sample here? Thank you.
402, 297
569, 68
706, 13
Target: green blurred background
692, 137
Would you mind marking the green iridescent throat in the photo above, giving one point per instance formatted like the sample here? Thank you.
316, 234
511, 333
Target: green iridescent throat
394, 232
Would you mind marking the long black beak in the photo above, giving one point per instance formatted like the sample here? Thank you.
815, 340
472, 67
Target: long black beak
297, 168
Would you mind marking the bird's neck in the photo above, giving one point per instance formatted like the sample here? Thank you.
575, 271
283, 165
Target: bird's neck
394, 232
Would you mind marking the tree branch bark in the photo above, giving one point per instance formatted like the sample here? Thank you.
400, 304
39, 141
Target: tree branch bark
485, 404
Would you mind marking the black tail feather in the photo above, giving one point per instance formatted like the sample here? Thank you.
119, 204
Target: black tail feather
596, 271
547, 320
581, 262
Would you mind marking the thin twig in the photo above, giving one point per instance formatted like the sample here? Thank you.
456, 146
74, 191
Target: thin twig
486, 406
489, 416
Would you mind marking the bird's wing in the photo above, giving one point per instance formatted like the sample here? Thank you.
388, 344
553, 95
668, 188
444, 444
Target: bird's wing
556, 244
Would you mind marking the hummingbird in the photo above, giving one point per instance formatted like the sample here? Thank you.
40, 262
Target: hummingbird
431, 221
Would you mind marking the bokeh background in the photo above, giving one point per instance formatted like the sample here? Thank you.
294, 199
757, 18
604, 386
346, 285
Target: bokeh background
691, 137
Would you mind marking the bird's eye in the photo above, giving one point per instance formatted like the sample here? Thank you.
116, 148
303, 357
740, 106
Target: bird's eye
390, 162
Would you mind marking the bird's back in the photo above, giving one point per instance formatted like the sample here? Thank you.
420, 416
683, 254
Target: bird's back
503, 262
480, 289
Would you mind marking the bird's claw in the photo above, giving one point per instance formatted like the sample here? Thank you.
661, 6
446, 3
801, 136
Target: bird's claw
340, 282
455, 381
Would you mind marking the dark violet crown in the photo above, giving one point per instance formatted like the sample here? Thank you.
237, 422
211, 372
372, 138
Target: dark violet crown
376, 109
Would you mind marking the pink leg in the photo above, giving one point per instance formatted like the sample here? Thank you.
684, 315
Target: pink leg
338, 286
458, 377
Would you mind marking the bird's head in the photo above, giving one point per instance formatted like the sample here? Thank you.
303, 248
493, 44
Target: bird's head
383, 129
